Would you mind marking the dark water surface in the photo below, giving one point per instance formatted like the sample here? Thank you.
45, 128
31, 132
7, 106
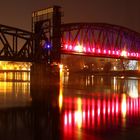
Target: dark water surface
81, 108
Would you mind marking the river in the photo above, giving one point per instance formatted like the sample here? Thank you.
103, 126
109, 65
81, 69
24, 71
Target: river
82, 107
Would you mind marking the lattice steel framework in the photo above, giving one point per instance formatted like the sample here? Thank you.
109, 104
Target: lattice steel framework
100, 39
16, 44
90, 39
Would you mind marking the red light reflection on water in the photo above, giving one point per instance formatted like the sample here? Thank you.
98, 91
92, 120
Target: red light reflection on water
98, 113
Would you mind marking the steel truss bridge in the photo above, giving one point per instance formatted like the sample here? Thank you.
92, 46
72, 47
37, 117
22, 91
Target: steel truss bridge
16, 44
100, 39
89, 39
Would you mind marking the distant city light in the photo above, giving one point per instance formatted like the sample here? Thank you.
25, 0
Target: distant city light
61, 66
115, 68
7, 65
132, 89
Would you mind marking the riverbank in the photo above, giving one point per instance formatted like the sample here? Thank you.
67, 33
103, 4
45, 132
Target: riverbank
130, 73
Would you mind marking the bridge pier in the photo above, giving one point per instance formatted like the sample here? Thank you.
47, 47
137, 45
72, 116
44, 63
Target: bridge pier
44, 74
44, 83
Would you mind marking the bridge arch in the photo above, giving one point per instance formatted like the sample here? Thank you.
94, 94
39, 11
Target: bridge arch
100, 39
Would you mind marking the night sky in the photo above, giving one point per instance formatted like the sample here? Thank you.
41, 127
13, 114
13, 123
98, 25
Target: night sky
126, 13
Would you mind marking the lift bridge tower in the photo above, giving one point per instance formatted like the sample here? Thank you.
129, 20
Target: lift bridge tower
46, 25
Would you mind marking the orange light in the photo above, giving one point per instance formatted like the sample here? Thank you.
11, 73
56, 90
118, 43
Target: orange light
61, 66
124, 105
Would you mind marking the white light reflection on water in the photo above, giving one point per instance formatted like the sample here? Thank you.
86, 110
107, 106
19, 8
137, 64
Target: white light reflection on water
133, 88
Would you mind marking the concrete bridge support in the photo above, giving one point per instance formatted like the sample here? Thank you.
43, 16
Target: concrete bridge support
44, 84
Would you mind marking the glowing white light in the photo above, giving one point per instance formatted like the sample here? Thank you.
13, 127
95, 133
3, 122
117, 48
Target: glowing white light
132, 54
133, 88
78, 48
117, 53
124, 53
66, 46
123, 107
99, 50
84, 49
113, 52
78, 113
61, 66
70, 47
133, 65
104, 51
115, 68
88, 49
93, 50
